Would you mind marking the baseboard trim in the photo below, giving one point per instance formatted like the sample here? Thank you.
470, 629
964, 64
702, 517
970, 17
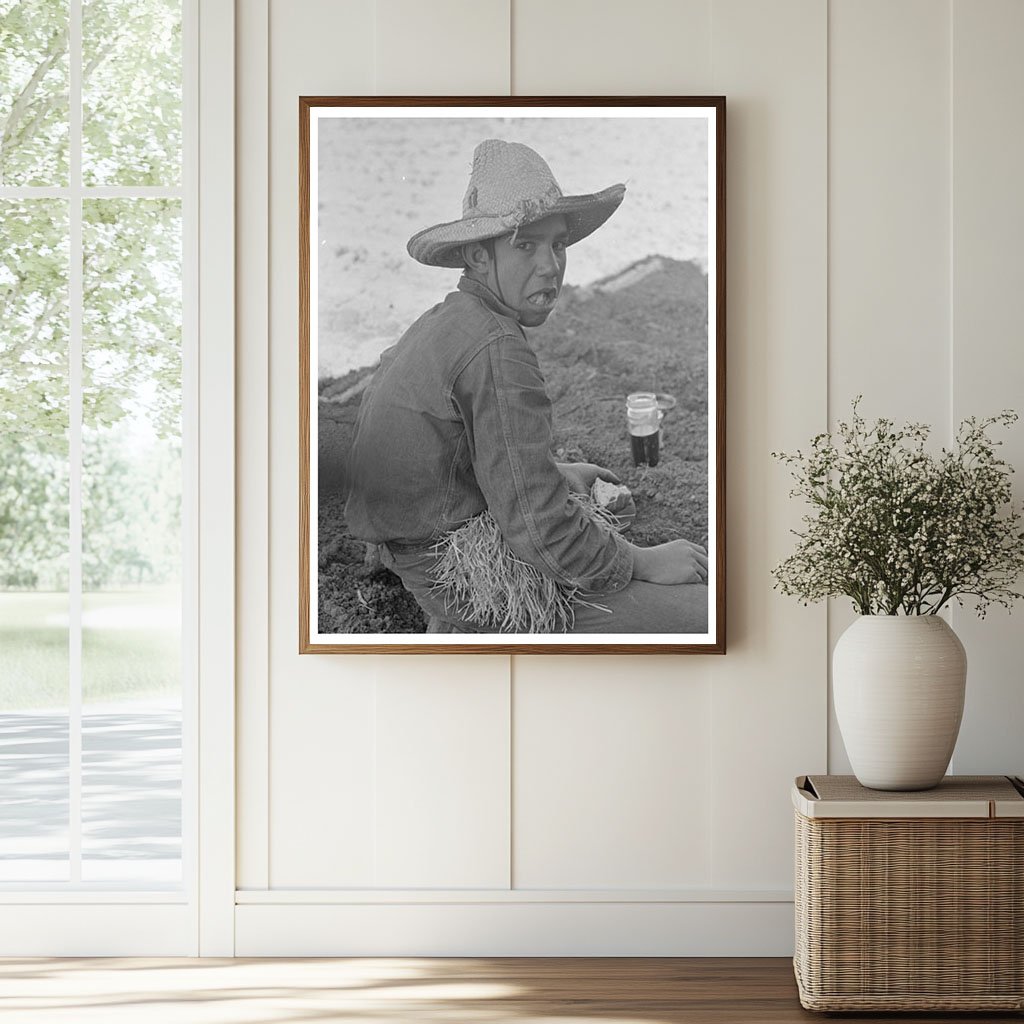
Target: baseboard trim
515, 928
348, 897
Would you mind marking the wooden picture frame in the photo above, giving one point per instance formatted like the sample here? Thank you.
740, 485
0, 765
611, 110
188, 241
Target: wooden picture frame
641, 310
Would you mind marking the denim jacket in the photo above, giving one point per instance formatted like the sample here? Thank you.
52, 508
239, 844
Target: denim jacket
457, 420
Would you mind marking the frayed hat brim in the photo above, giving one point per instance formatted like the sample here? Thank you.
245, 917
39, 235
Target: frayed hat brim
440, 245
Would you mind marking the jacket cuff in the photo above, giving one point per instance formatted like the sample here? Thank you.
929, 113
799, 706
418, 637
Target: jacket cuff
620, 573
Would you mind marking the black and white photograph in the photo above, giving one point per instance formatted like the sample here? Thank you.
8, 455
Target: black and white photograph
512, 375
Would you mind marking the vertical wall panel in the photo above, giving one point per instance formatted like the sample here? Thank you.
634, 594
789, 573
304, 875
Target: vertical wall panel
578, 47
252, 464
442, 777
322, 761
769, 692
612, 783
321, 709
988, 370
442, 48
889, 326
889, 208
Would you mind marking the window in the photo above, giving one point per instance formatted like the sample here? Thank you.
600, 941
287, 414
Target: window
95, 454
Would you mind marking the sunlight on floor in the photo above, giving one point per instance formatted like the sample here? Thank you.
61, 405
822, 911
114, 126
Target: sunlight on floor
221, 991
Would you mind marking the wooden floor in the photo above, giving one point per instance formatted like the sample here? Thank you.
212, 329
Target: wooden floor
413, 991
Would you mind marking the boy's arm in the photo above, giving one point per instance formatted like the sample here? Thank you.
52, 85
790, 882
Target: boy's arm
501, 397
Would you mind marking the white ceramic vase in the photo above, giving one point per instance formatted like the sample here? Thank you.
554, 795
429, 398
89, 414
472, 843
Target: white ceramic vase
898, 684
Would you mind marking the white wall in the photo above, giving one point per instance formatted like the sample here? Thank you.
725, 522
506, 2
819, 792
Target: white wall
626, 805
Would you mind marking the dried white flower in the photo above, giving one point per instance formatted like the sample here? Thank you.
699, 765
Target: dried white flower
900, 530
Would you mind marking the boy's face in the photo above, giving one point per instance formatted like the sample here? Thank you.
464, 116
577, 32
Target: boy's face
530, 272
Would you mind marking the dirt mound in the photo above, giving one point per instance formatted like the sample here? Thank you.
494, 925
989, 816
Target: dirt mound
644, 329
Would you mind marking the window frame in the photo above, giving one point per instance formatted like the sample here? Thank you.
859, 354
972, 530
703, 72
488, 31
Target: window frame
75, 918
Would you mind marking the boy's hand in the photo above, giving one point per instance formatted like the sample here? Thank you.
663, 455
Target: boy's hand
678, 561
580, 476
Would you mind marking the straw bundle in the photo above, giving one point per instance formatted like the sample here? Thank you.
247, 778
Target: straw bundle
483, 580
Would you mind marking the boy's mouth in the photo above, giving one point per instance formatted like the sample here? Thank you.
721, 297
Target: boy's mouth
544, 298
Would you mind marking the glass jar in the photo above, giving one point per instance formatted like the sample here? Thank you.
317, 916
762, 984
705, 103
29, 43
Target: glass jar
643, 418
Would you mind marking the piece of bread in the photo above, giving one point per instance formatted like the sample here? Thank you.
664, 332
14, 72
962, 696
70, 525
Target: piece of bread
606, 494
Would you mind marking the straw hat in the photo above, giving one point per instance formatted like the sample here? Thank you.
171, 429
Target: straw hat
510, 185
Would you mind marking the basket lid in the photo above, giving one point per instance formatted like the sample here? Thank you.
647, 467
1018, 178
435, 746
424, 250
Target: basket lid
957, 796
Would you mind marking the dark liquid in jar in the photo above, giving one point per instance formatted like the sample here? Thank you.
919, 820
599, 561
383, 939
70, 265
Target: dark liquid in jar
645, 448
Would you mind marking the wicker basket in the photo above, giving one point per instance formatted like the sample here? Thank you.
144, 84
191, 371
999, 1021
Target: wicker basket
910, 901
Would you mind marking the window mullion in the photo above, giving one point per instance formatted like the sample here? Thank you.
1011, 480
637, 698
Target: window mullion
75, 333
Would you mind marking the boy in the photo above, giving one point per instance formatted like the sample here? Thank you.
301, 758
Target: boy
457, 419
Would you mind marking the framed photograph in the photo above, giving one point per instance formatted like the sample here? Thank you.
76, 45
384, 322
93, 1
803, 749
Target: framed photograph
512, 375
